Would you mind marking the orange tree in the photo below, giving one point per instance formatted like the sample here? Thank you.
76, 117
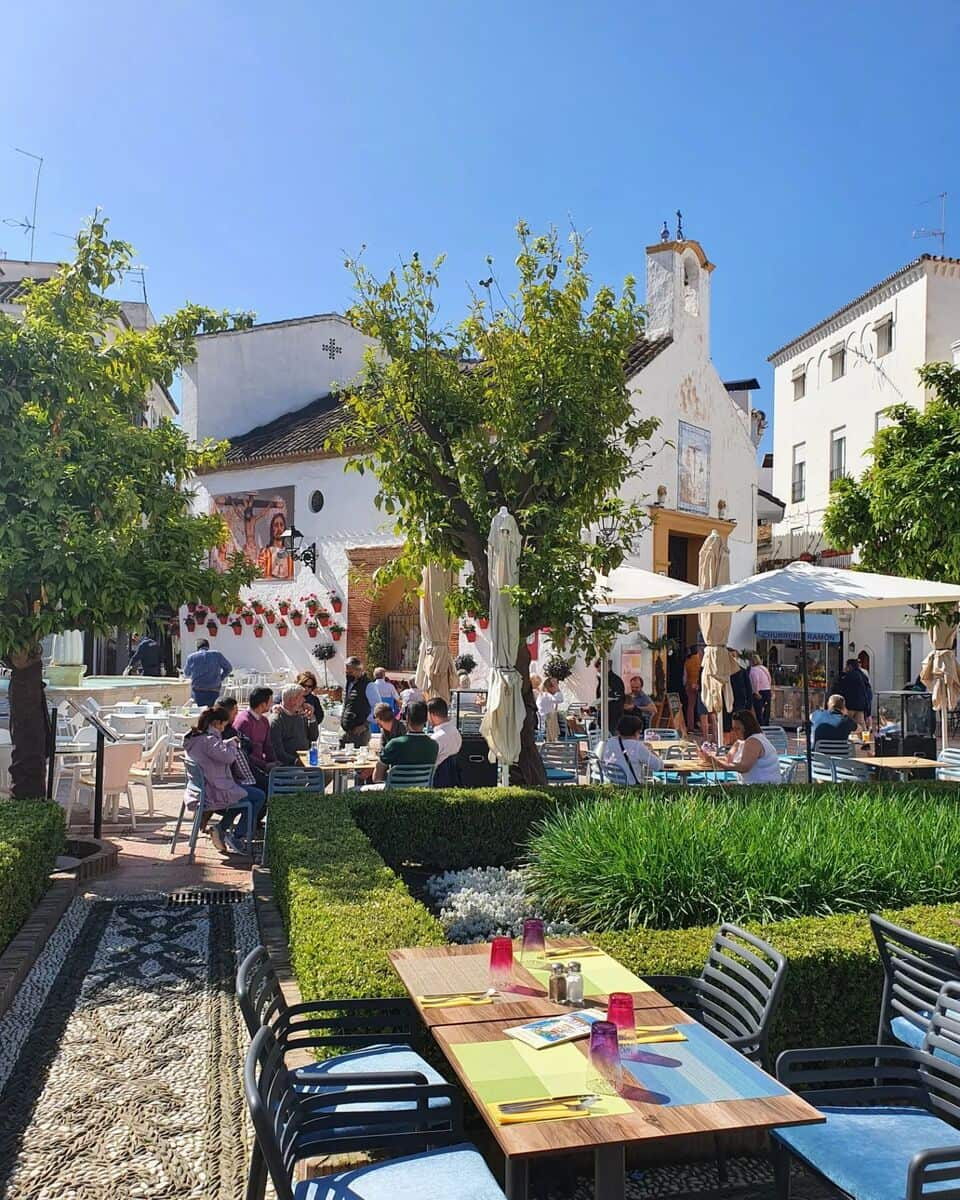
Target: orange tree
523, 404
97, 527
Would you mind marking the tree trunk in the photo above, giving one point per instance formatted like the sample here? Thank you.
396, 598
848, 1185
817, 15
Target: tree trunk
529, 770
29, 726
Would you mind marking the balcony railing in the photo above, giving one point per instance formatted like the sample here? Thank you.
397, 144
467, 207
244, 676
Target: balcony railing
837, 473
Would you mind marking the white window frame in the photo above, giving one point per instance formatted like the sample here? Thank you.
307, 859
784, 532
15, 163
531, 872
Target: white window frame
885, 323
798, 461
838, 354
799, 378
838, 435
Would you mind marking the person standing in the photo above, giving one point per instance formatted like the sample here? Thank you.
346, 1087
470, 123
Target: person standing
356, 705
382, 691
691, 684
146, 655
855, 690
762, 687
206, 669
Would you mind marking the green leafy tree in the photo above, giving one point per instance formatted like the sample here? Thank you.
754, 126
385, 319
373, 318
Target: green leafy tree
523, 404
97, 529
903, 513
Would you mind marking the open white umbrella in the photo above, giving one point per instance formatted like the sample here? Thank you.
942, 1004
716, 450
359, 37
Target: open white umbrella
802, 586
939, 674
718, 663
503, 720
435, 671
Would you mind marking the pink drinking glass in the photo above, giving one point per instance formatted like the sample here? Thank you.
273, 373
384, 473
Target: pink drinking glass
606, 1073
620, 1012
534, 945
501, 961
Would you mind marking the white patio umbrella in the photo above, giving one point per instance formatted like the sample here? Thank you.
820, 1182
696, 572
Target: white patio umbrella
801, 586
503, 720
718, 663
435, 671
939, 674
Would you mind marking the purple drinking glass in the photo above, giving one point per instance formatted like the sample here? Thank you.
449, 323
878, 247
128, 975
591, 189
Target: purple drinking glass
501, 961
534, 947
605, 1076
620, 1012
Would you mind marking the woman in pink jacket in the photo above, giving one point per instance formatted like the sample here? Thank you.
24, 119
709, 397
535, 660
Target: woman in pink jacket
205, 748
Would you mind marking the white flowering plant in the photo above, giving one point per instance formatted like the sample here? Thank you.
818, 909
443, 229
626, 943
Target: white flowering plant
483, 902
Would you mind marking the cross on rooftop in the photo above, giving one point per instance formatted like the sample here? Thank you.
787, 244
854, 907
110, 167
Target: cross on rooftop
332, 348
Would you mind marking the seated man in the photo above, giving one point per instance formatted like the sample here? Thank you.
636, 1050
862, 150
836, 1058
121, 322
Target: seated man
449, 740
288, 727
626, 751
390, 724
832, 723
642, 703
410, 748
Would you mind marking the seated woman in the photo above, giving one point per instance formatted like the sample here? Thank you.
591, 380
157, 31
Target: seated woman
312, 708
752, 755
205, 747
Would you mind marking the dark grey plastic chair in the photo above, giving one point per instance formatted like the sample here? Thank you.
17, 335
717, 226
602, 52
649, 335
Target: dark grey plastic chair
737, 993
891, 1114
358, 1113
915, 968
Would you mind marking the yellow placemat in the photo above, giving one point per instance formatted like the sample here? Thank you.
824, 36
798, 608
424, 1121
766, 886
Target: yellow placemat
601, 975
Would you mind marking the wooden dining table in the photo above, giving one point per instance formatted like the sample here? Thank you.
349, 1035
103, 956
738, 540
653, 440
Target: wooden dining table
673, 1089
899, 762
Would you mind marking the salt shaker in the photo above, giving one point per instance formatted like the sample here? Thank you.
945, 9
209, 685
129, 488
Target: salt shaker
574, 984
557, 988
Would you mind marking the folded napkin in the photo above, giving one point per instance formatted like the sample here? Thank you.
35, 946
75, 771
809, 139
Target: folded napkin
455, 1001
654, 1033
550, 1111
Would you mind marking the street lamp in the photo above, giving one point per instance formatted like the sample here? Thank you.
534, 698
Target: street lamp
608, 529
292, 539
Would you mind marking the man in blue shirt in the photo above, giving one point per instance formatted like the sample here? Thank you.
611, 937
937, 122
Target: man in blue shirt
146, 655
206, 669
831, 723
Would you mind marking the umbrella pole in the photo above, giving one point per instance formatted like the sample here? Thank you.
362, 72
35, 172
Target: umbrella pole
806, 687
604, 699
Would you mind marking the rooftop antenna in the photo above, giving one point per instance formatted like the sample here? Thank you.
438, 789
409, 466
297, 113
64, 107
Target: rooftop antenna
139, 271
29, 224
940, 233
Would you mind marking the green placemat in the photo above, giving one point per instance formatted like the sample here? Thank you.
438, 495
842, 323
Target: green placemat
509, 1070
601, 976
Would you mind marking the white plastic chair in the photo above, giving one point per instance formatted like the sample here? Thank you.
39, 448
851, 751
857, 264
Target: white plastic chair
149, 767
823, 768
950, 758
129, 727
118, 759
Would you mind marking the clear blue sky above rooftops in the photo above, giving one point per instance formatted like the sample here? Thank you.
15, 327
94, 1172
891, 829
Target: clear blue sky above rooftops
243, 146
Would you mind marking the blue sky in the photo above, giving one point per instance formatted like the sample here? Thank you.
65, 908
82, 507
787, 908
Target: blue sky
243, 146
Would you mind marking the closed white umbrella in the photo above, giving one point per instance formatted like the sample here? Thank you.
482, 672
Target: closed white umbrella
939, 674
503, 720
802, 586
718, 663
435, 671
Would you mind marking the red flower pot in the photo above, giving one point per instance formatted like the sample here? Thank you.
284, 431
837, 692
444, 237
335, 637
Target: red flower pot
471, 636
237, 627
483, 622
224, 618
190, 624
258, 609
258, 631
282, 630
325, 621
248, 618
271, 617
192, 607
212, 628
311, 606
312, 632
201, 615
284, 607
336, 634
337, 605
297, 618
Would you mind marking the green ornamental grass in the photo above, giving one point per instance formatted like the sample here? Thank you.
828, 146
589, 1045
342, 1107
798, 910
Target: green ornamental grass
758, 854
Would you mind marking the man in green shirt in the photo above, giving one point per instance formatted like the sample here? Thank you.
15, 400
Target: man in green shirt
412, 747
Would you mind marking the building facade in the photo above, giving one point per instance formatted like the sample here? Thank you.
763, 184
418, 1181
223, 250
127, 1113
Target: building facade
832, 385
270, 391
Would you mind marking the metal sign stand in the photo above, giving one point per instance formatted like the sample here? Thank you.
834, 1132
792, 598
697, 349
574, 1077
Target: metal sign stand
104, 734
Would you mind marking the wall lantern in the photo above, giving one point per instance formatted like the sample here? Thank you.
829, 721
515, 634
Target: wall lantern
292, 540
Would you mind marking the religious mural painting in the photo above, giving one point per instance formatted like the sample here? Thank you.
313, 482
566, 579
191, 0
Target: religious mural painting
256, 521
693, 462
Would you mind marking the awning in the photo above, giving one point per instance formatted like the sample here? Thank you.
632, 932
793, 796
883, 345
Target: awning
785, 627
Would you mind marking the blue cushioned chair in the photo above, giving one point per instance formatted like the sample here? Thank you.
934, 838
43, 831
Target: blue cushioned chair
915, 968
892, 1114
560, 761
195, 776
374, 1037
292, 1125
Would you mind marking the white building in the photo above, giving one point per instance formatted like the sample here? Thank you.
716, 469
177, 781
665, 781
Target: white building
268, 389
831, 387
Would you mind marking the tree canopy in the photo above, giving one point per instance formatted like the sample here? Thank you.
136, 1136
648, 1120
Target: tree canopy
97, 527
903, 513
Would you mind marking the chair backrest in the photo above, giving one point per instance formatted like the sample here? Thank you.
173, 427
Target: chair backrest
612, 773
941, 1069
117, 761
850, 770
128, 723
131, 707
915, 968
195, 776
179, 724
823, 768
292, 1125
258, 991
740, 988
951, 768
776, 735
284, 781
787, 770
560, 754
156, 750
836, 749
411, 775
663, 735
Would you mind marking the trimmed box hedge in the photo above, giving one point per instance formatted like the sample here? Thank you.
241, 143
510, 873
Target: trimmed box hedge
342, 905
31, 837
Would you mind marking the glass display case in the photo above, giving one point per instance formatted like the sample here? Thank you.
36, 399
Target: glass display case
467, 706
904, 714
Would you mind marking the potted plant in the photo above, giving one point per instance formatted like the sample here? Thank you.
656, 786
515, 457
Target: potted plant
201, 615
212, 627
337, 631
190, 623
258, 628
284, 607
323, 616
192, 606
312, 626
336, 602
224, 615
269, 615
282, 627
247, 614
483, 622
558, 668
237, 626
310, 603
323, 653
469, 630
296, 616
258, 607
465, 663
